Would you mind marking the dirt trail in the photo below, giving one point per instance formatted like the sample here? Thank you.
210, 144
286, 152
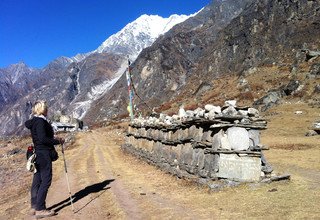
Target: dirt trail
106, 185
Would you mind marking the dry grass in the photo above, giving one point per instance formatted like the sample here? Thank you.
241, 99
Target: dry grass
286, 135
191, 106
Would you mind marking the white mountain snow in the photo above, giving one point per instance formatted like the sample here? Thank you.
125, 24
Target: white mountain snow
136, 36
139, 34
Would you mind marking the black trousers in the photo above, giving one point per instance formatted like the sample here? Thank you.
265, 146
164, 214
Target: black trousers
41, 180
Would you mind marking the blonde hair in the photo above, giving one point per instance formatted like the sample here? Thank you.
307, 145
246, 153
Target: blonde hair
40, 108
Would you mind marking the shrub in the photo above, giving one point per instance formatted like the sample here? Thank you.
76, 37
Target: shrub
246, 96
191, 106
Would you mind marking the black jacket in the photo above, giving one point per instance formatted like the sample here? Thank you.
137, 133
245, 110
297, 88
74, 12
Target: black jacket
42, 133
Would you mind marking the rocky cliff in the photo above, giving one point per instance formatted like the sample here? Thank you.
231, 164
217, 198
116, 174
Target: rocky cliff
227, 38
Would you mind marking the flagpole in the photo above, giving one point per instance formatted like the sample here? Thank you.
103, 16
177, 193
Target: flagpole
130, 107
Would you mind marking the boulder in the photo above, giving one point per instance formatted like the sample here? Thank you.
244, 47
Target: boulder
292, 86
311, 133
269, 100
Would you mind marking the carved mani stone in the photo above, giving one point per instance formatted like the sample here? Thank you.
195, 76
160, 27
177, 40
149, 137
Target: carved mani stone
238, 138
232, 166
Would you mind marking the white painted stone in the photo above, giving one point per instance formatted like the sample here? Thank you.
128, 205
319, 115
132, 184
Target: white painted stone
162, 116
247, 169
253, 112
217, 109
230, 111
199, 112
243, 112
182, 113
175, 117
230, 103
225, 144
208, 107
189, 113
238, 138
211, 114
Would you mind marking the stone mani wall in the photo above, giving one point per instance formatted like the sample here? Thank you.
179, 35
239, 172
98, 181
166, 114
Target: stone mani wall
223, 146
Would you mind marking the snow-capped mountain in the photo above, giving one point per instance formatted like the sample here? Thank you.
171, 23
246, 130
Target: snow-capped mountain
139, 34
129, 41
136, 36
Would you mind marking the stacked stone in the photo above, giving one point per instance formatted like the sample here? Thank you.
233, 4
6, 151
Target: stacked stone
214, 142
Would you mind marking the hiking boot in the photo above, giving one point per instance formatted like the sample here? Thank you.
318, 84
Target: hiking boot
32, 211
44, 213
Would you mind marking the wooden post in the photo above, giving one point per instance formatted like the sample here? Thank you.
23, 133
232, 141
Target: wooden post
130, 107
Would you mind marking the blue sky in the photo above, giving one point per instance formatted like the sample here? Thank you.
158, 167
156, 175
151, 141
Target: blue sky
38, 31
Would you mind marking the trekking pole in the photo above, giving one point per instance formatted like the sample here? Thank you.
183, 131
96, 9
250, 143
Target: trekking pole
65, 169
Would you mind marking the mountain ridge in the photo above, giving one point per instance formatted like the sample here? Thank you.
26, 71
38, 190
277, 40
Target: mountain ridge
78, 81
257, 53
193, 55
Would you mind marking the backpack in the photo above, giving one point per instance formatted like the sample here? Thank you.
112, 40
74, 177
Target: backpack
31, 159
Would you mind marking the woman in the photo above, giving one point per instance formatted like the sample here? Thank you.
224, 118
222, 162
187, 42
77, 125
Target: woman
44, 141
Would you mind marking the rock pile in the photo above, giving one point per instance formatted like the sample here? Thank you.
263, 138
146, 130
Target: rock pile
214, 142
227, 116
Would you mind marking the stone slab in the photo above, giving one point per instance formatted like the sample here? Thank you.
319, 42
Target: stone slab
247, 169
238, 138
254, 137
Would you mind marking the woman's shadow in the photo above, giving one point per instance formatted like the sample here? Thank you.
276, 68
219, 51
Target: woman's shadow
81, 194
